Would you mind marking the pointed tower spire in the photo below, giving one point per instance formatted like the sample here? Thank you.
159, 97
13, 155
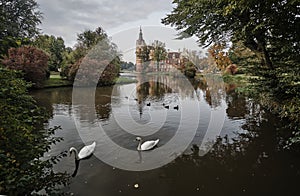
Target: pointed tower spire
141, 34
140, 41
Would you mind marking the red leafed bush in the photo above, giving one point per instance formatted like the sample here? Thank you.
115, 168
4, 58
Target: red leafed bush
31, 61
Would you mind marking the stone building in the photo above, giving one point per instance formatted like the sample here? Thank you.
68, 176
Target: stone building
174, 60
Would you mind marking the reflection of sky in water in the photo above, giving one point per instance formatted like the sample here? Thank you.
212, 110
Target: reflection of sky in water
123, 112
130, 116
129, 105
95, 177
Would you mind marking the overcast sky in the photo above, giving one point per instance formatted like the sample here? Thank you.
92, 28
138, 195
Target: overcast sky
119, 18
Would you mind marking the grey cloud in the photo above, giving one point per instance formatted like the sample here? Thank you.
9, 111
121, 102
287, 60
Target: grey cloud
73, 16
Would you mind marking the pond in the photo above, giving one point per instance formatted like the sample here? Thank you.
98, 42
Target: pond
211, 139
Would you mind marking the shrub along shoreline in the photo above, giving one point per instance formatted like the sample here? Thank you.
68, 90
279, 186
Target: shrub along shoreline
55, 81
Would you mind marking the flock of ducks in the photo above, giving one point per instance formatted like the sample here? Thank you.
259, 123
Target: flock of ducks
164, 105
168, 107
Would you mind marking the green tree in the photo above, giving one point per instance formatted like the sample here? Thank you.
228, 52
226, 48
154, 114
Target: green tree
54, 46
87, 40
270, 29
23, 141
127, 66
95, 54
68, 60
190, 69
18, 23
159, 52
257, 23
144, 53
243, 56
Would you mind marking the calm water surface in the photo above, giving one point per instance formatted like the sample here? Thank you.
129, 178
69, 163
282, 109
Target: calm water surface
243, 155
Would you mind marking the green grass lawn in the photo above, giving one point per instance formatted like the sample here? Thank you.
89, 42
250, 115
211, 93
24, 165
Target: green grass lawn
56, 81
124, 80
241, 79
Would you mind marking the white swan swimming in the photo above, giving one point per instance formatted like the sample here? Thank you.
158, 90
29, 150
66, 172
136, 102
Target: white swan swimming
147, 145
84, 152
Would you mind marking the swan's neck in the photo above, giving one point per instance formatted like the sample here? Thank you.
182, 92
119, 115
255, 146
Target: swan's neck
76, 168
139, 146
76, 153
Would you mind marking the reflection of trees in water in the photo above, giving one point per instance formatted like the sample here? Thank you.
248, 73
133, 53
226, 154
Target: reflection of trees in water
237, 106
101, 105
249, 164
54, 99
214, 91
60, 100
103, 102
158, 86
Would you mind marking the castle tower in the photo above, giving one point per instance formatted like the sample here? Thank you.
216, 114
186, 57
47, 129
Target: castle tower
140, 43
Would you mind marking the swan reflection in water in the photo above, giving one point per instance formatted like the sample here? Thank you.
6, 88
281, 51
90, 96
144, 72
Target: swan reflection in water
85, 153
145, 146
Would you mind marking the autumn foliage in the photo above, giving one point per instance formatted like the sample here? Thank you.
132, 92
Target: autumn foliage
220, 56
31, 61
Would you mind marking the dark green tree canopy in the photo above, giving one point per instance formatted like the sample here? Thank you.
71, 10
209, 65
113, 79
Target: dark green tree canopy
23, 141
90, 38
19, 18
257, 23
269, 28
18, 22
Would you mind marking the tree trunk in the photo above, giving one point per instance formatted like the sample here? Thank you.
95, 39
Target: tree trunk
266, 58
259, 48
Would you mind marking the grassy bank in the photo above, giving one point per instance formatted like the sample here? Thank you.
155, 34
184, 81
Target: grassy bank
241, 82
124, 80
239, 79
56, 81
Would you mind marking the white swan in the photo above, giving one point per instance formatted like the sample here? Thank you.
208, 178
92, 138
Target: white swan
147, 145
84, 152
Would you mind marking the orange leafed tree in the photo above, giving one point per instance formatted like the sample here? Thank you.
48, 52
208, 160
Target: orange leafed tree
220, 56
